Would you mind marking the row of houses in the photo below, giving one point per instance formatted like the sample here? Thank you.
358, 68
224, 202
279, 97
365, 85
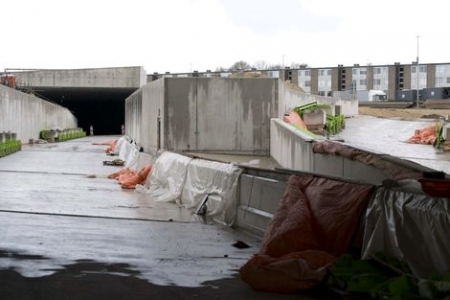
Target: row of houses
394, 79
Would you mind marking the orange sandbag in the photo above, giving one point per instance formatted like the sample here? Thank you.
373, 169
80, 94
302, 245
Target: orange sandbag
143, 173
104, 143
426, 135
116, 175
112, 146
294, 119
129, 181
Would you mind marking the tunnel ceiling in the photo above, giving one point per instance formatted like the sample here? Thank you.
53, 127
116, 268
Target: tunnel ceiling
104, 109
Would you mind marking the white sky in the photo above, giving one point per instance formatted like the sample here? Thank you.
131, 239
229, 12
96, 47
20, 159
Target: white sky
185, 35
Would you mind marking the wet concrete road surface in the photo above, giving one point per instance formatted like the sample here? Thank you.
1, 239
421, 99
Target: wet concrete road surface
68, 232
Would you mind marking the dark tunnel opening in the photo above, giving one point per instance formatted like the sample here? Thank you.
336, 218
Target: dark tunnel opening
104, 109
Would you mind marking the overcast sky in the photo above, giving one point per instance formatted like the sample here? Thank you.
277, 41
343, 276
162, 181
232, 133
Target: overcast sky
185, 35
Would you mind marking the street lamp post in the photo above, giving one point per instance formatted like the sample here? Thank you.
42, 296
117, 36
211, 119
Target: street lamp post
417, 74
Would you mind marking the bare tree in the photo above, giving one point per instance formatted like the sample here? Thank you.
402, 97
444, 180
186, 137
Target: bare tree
275, 66
221, 69
299, 65
240, 66
261, 65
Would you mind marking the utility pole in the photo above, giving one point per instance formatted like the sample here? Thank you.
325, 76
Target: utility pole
417, 74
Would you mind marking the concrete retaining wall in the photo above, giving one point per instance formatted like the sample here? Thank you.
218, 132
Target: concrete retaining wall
144, 111
27, 115
292, 150
127, 77
226, 115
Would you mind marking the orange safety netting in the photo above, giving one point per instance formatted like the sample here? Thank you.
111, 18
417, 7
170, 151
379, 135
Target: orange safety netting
426, 135
315, 222
128, 179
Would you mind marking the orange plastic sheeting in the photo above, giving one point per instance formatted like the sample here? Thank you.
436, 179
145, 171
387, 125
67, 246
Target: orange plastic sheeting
426, 135
390, 169
294, 119
128, 179
334, 148
111, 143
314, 223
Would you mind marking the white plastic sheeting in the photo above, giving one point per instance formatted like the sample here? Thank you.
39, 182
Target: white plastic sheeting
120, 142
125, 149
132, 159
128, 152
216, 180
167, 177
411, 226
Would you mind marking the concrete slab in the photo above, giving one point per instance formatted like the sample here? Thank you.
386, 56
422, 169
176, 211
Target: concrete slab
389, 136
68, 232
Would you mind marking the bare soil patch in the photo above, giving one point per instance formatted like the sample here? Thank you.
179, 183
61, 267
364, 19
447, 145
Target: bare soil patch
405, 113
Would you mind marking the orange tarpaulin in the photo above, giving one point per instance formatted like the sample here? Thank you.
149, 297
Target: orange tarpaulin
314, 223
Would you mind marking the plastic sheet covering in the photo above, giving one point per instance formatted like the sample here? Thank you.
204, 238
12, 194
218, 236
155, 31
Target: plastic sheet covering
315, 222
120, 142
410, 226
132, 159
219, 182
167, 177
125, 149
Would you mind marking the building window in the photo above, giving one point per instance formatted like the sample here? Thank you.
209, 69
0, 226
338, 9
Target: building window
308, 83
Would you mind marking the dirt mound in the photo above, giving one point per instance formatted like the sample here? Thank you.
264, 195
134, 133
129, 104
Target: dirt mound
405, 113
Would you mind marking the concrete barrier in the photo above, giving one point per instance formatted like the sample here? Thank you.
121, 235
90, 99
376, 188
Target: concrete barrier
27, 115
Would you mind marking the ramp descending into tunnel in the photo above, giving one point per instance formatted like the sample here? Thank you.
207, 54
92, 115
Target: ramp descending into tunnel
95, 96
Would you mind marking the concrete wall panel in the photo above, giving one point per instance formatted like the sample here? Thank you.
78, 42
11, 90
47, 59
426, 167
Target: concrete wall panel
330, 165
127, 77
228, 115
133, 116
180, 115
356, 170
289, 148
258, 200
152, 116
27, 115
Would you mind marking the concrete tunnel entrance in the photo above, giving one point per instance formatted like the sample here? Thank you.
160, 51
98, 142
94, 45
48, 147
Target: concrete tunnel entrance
104, 109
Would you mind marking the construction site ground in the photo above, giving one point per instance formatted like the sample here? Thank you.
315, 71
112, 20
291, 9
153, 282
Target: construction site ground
386, 131
406, 113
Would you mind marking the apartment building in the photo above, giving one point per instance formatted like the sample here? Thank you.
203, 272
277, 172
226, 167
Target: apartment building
399, 81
